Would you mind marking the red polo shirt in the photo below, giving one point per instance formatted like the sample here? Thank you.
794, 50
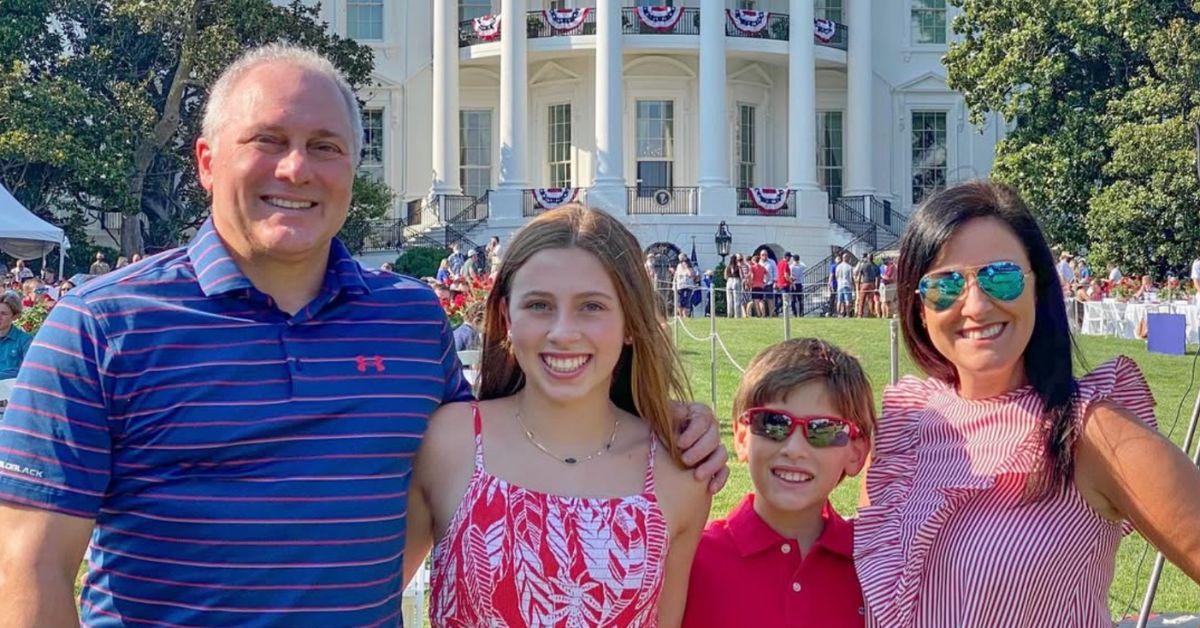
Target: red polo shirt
747, 574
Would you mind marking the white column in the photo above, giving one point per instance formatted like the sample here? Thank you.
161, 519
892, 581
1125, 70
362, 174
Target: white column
860, 179
445, 98
802, 99
714, 140
514, 96
608, 185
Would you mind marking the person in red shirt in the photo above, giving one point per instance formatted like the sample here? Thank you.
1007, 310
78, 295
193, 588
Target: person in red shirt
784, 557
783, 282
758, 280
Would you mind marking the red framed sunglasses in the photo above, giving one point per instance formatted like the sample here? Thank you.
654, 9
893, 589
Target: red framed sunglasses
820, 431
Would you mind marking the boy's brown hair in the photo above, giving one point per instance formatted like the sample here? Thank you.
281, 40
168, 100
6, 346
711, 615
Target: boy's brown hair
778, 369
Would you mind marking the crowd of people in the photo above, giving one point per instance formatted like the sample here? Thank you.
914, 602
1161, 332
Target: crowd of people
254, 429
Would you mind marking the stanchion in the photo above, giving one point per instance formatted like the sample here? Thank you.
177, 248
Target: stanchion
787, 316
894, 344
712, 344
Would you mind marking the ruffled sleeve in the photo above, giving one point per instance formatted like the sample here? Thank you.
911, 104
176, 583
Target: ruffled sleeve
1121, 382
878, 552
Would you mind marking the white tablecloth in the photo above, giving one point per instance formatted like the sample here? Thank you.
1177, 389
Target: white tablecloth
1135, 313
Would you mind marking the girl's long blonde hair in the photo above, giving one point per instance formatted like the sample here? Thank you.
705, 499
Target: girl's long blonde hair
648, 374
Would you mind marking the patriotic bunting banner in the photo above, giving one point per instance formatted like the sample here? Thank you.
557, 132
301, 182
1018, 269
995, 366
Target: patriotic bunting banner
747, 21
550, 198
824, 29
487, 27
659, 18
769, 200
563, 20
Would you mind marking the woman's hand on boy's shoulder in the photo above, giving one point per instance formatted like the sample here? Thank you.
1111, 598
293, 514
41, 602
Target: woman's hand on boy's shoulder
700, 444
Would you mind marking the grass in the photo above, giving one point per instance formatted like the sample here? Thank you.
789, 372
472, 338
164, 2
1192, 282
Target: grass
1170, 380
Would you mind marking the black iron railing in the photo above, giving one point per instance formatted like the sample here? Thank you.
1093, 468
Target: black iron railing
849, 212
688, 23
385, 235
776, 28
530, 206
468, 37
672, 200
458, 209
747, 207
537, 26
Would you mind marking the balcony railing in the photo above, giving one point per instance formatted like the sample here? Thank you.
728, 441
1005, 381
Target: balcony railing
537, 26
688, 23
747, 206
531, 207
673, 201
464, 208
776, 28
468, 37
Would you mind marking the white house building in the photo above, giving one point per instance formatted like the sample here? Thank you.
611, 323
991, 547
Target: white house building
801, 124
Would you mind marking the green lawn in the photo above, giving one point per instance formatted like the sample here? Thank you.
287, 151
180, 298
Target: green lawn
1169, 377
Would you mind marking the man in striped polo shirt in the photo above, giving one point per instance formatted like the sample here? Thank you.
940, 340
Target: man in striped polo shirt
232, 424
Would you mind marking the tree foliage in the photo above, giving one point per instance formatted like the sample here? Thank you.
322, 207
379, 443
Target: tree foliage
100, 102
1102, 94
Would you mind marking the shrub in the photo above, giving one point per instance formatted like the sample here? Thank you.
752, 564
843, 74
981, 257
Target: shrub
420, 261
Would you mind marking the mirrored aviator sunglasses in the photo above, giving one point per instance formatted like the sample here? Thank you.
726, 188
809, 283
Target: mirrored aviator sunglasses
819, 431
1002, 281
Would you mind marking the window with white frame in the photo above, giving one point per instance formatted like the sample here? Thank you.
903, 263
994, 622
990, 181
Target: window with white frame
830, 161
655, 3
475, 151
364, 19
929, 156
928, 21
555, 5
372, 152
829, 10
558, 145
747, 4
744, 146
471, 9
655, 141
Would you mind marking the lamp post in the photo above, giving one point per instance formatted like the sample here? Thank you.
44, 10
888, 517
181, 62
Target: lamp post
724, 239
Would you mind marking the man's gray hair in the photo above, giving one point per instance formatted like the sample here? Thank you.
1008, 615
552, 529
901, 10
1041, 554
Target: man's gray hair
214, 109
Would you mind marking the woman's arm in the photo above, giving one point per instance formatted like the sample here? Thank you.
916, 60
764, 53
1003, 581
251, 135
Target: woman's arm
1128, 470
685, 503
419, 535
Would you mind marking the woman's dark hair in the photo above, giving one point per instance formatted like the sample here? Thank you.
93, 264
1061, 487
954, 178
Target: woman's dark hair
1047, 358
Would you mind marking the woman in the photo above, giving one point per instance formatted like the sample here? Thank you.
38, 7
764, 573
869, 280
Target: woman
1001, 486
493, 255
733, 287
685, 282
443, 272
1146, 292
576, 376
14, 341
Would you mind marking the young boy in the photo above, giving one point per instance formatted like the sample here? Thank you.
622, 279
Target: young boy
803, 419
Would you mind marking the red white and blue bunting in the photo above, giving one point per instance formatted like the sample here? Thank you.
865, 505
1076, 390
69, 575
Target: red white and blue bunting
487, 27
824, 29
563, 20
747, 21
769, 200
550, 198
659, 18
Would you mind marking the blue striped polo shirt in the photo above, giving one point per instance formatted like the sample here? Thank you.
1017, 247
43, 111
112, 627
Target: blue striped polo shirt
244, 467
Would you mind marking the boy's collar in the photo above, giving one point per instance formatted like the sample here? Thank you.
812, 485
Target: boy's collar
752, 535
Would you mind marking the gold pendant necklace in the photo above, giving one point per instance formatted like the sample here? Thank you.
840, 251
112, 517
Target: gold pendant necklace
568, 459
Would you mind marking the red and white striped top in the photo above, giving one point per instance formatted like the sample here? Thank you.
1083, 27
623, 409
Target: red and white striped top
950, 539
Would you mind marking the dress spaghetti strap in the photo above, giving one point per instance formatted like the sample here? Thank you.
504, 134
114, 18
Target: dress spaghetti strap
478, 435
648, 483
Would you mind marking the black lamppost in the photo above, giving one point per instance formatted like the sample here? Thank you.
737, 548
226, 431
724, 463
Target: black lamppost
724, 239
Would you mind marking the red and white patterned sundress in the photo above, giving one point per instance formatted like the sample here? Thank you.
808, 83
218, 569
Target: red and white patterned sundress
516, 557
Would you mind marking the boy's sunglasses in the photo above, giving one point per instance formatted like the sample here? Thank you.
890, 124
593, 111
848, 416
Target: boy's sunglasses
1003, 281
819, 431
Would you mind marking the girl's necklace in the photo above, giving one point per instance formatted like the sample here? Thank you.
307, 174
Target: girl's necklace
569, 459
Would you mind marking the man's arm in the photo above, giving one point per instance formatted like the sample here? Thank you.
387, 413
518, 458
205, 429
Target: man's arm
40, 552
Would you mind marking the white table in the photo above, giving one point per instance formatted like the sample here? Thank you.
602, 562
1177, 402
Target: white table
6, 386
1135, 313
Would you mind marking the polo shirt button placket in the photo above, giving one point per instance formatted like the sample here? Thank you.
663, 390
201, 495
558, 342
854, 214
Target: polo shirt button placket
796, 587
785, 548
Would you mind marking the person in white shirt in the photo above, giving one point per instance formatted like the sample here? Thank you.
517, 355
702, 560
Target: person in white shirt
1196, 277
798, 269
1066, 275
1114, 273
685, 282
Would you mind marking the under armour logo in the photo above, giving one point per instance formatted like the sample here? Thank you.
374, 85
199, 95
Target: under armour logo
362, 361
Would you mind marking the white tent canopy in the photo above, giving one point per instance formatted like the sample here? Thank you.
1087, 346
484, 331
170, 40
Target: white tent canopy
25, 236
